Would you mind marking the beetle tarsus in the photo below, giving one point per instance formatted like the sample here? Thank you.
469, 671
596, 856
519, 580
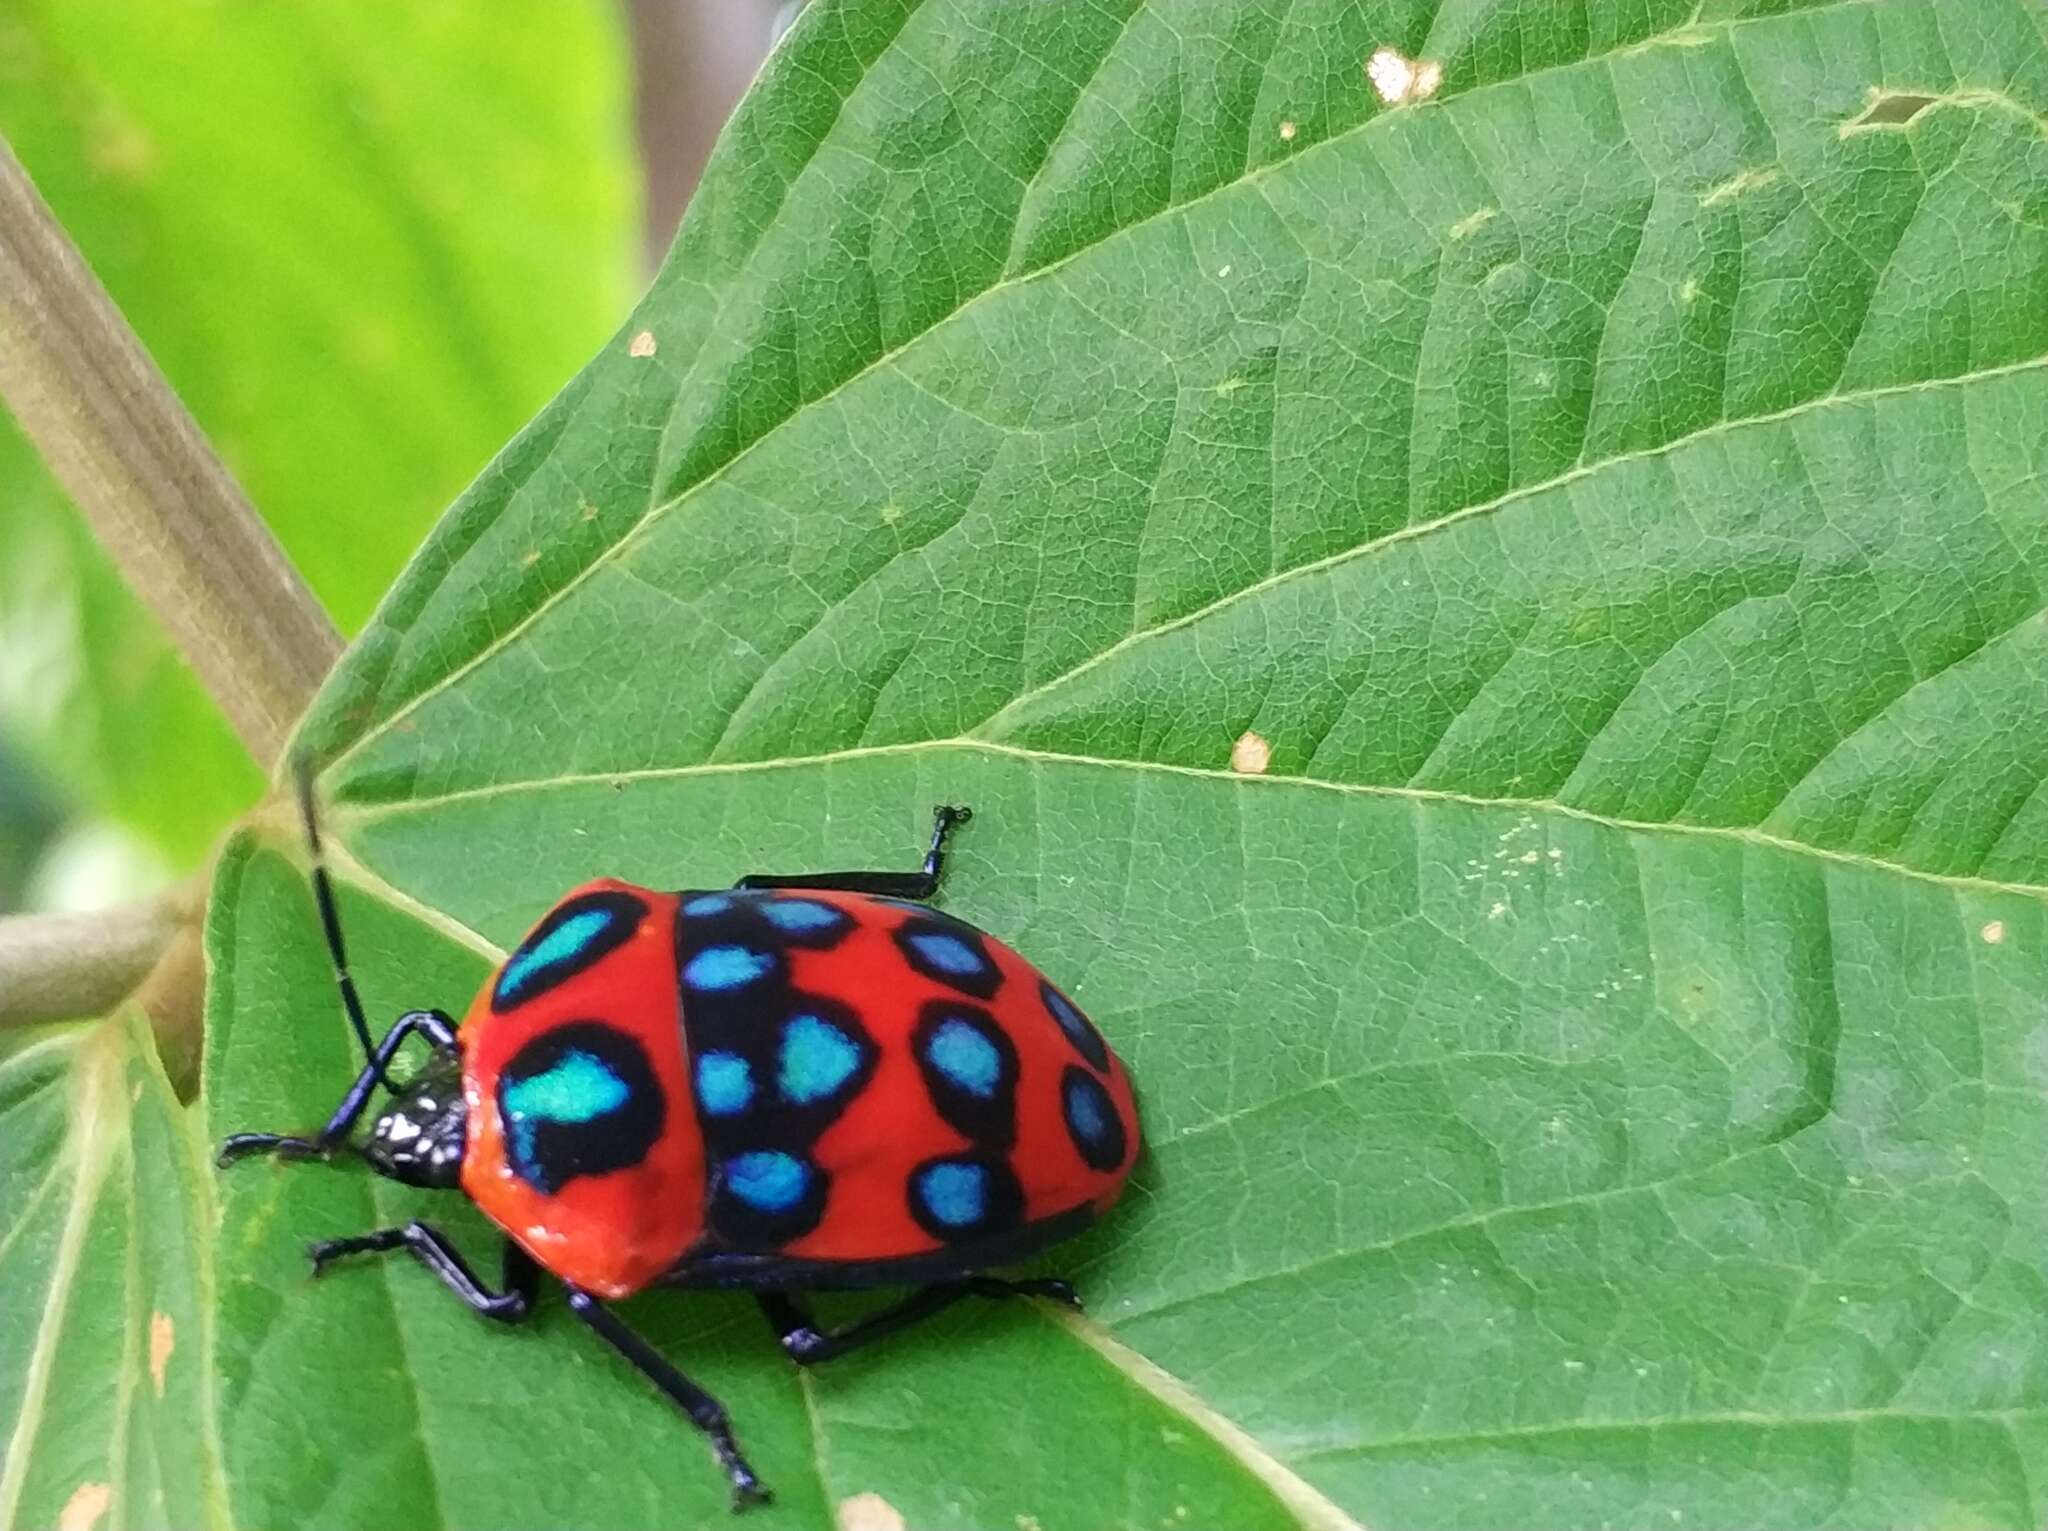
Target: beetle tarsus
747, 1489
245, 1145
1049, 1287
325, 1252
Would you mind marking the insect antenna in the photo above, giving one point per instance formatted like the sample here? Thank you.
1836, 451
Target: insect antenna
330, 917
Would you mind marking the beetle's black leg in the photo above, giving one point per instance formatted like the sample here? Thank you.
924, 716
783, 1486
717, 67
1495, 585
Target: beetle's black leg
437, 1029
919, 885
430, 1246
807, 1344
705, 1412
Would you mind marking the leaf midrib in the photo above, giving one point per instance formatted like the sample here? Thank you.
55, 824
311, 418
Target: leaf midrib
1691, 34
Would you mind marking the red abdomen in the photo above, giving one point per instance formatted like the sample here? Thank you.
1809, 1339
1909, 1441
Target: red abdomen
782, 1089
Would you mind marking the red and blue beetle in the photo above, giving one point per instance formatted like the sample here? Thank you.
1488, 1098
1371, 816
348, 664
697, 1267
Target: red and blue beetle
797, 1083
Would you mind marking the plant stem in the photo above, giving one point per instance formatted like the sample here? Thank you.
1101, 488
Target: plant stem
185, 537
70, 967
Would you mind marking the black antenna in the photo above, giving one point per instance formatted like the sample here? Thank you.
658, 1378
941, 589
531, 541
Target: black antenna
330, 919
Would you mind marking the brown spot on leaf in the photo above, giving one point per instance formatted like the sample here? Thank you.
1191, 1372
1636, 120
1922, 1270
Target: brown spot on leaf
1890, 109
643, 344
163, 1339
869, 1512
84, 1508
1251, 754
1755, 178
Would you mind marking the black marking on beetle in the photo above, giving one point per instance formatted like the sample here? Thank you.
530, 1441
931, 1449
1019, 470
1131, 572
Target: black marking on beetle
950, 953
965, 1198
1079, 1029
804, 1057
969, 1066
574, 936
579, 1099
764, 1198
1092, 1119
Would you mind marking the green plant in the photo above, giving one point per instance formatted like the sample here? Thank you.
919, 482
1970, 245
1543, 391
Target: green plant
1497, 640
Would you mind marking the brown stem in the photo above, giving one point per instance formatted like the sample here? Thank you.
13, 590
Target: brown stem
692, 60
72, 967
162, 504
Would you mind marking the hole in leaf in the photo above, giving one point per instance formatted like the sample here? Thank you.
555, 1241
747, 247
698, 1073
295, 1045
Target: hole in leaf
1891, 109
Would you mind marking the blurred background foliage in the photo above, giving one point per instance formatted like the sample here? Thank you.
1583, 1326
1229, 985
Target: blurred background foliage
365, 242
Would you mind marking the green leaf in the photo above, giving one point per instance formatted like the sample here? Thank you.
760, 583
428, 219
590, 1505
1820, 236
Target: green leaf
1594, 1073
364, 242
106, 1408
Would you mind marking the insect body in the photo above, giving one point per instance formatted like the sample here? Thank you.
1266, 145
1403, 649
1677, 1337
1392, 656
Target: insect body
796, 1083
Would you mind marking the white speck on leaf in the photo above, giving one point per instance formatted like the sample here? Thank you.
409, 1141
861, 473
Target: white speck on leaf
1743, 180
643, 344
1994, 932
1473, 222
1223, 271
84, 1508
1400, 79
1287, 132
891, 514
1496, 911
163, 1339
1251, 754
869, 1512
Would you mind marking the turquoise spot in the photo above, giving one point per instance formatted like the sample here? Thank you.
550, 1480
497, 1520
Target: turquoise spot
966, 1057
767, 1180
1084, 1104
708, 903
1087, 1041
954, 1194
817, 1058
799, 916
949, 954
580, 1088
562, 944
1063, 1010
724, 1083
726, 967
